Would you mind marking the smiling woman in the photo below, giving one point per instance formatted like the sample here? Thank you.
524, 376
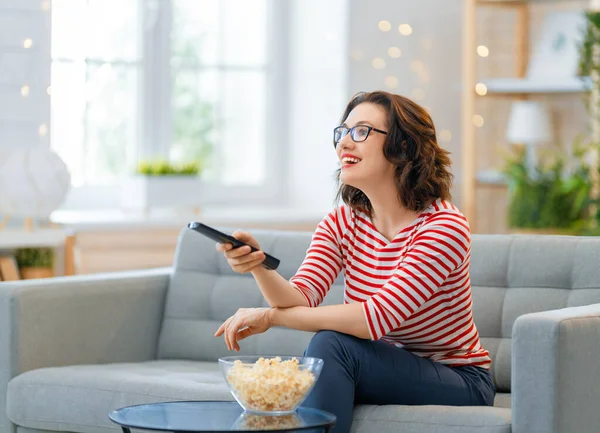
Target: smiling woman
405, 333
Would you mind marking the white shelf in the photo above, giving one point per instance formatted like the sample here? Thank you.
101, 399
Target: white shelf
491, 178
81, 221
20, 238
529, 85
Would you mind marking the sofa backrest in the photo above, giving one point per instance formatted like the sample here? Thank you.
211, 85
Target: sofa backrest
204, 292
511, 275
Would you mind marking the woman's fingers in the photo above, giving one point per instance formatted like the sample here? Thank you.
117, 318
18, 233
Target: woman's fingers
232, 330
238, 252
223, 247
257, 255
244, 333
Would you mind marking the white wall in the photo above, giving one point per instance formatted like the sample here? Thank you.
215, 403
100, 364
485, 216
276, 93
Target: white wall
318, 95
21, 117
430, 59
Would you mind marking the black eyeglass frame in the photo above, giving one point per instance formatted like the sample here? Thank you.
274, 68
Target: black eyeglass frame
351, 132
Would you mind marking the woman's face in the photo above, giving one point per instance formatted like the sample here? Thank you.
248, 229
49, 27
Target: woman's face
372, 168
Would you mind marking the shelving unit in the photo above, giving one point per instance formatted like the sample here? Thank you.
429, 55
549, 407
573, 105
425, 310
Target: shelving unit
516, 87
57, 238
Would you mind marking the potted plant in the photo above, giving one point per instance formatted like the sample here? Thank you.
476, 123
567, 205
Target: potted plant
35, 262
160, 183
555, 198
589, 65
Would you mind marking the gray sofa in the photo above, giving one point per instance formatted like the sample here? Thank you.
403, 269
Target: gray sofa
73, 349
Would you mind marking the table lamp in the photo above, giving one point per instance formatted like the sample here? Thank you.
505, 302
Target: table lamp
529, 124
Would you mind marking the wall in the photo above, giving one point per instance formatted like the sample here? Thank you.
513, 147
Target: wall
24, 120
429, 67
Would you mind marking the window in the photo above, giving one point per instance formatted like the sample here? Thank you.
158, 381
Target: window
184, 79
95, 76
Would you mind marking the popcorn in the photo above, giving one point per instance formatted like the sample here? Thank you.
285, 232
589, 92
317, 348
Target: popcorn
270, 384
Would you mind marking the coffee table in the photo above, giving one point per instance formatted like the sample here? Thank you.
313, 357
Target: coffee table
216, 417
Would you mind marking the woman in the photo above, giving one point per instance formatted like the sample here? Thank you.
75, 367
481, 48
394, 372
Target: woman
405, 333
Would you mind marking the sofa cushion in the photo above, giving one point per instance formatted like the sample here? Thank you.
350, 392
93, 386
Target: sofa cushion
520, 274
79, 398
204, 292
431, 419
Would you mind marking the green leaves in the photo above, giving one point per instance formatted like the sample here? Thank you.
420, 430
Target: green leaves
162, 167
552, 197
35, 257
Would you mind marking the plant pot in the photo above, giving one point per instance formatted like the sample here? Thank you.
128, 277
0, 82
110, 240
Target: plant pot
169, 191
28, 273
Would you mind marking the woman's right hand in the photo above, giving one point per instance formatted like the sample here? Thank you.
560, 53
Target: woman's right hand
241, 259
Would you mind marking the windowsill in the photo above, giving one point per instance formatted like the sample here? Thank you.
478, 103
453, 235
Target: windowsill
106, 219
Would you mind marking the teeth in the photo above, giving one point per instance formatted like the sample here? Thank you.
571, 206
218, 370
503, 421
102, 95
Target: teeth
351, 160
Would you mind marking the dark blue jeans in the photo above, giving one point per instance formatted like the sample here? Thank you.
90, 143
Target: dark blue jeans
358, 371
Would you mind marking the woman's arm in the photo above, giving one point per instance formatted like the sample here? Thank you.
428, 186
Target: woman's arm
345, 318
278, 291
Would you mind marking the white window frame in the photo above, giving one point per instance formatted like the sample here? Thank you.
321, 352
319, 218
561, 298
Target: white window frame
155, 116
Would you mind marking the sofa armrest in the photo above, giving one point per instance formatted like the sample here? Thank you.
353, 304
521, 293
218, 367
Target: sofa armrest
555, 376
90, 319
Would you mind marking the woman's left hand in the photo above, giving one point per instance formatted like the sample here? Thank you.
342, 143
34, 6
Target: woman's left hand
243, 324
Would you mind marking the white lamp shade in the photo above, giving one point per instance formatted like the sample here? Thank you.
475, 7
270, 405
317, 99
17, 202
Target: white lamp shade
33, 182
529, 123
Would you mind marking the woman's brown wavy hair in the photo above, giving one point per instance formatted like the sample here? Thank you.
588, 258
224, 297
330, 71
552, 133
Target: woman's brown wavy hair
422, 166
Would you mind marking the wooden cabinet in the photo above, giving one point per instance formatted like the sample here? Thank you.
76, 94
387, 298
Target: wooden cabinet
109, 251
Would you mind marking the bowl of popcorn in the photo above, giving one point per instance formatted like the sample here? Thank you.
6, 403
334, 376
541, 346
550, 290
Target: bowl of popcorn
270, 385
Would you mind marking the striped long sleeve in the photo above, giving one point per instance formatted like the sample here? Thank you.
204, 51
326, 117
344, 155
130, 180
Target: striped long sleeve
324, 258
439, 248
415, 289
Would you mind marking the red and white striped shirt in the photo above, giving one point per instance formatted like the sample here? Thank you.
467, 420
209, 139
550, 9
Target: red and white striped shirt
415, 290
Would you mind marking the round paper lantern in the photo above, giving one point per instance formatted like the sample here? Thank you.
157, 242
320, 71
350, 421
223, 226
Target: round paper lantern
33, 182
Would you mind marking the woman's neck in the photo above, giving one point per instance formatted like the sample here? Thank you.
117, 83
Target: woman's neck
389, 216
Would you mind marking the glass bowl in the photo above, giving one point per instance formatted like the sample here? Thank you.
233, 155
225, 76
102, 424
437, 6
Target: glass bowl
270, 385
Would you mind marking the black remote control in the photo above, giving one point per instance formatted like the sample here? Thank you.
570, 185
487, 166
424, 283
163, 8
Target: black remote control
270, 262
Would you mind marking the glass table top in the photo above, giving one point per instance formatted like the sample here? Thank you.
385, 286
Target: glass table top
214, 416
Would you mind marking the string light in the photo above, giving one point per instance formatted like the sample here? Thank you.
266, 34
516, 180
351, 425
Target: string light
43, 130
391, 82
445, 135
25, 91
478, 120
27, 43
378, 63
384, 26
483, 51
45, 5
49, 90
394, 52
481, 89
405, 29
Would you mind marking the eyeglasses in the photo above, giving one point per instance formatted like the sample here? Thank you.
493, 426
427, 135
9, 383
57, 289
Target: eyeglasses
357, 133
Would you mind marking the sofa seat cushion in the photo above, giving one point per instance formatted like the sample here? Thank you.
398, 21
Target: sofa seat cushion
430, 419
79, 398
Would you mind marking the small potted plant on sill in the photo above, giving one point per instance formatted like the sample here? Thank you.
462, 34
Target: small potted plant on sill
35, 262
160, 183
553, 199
